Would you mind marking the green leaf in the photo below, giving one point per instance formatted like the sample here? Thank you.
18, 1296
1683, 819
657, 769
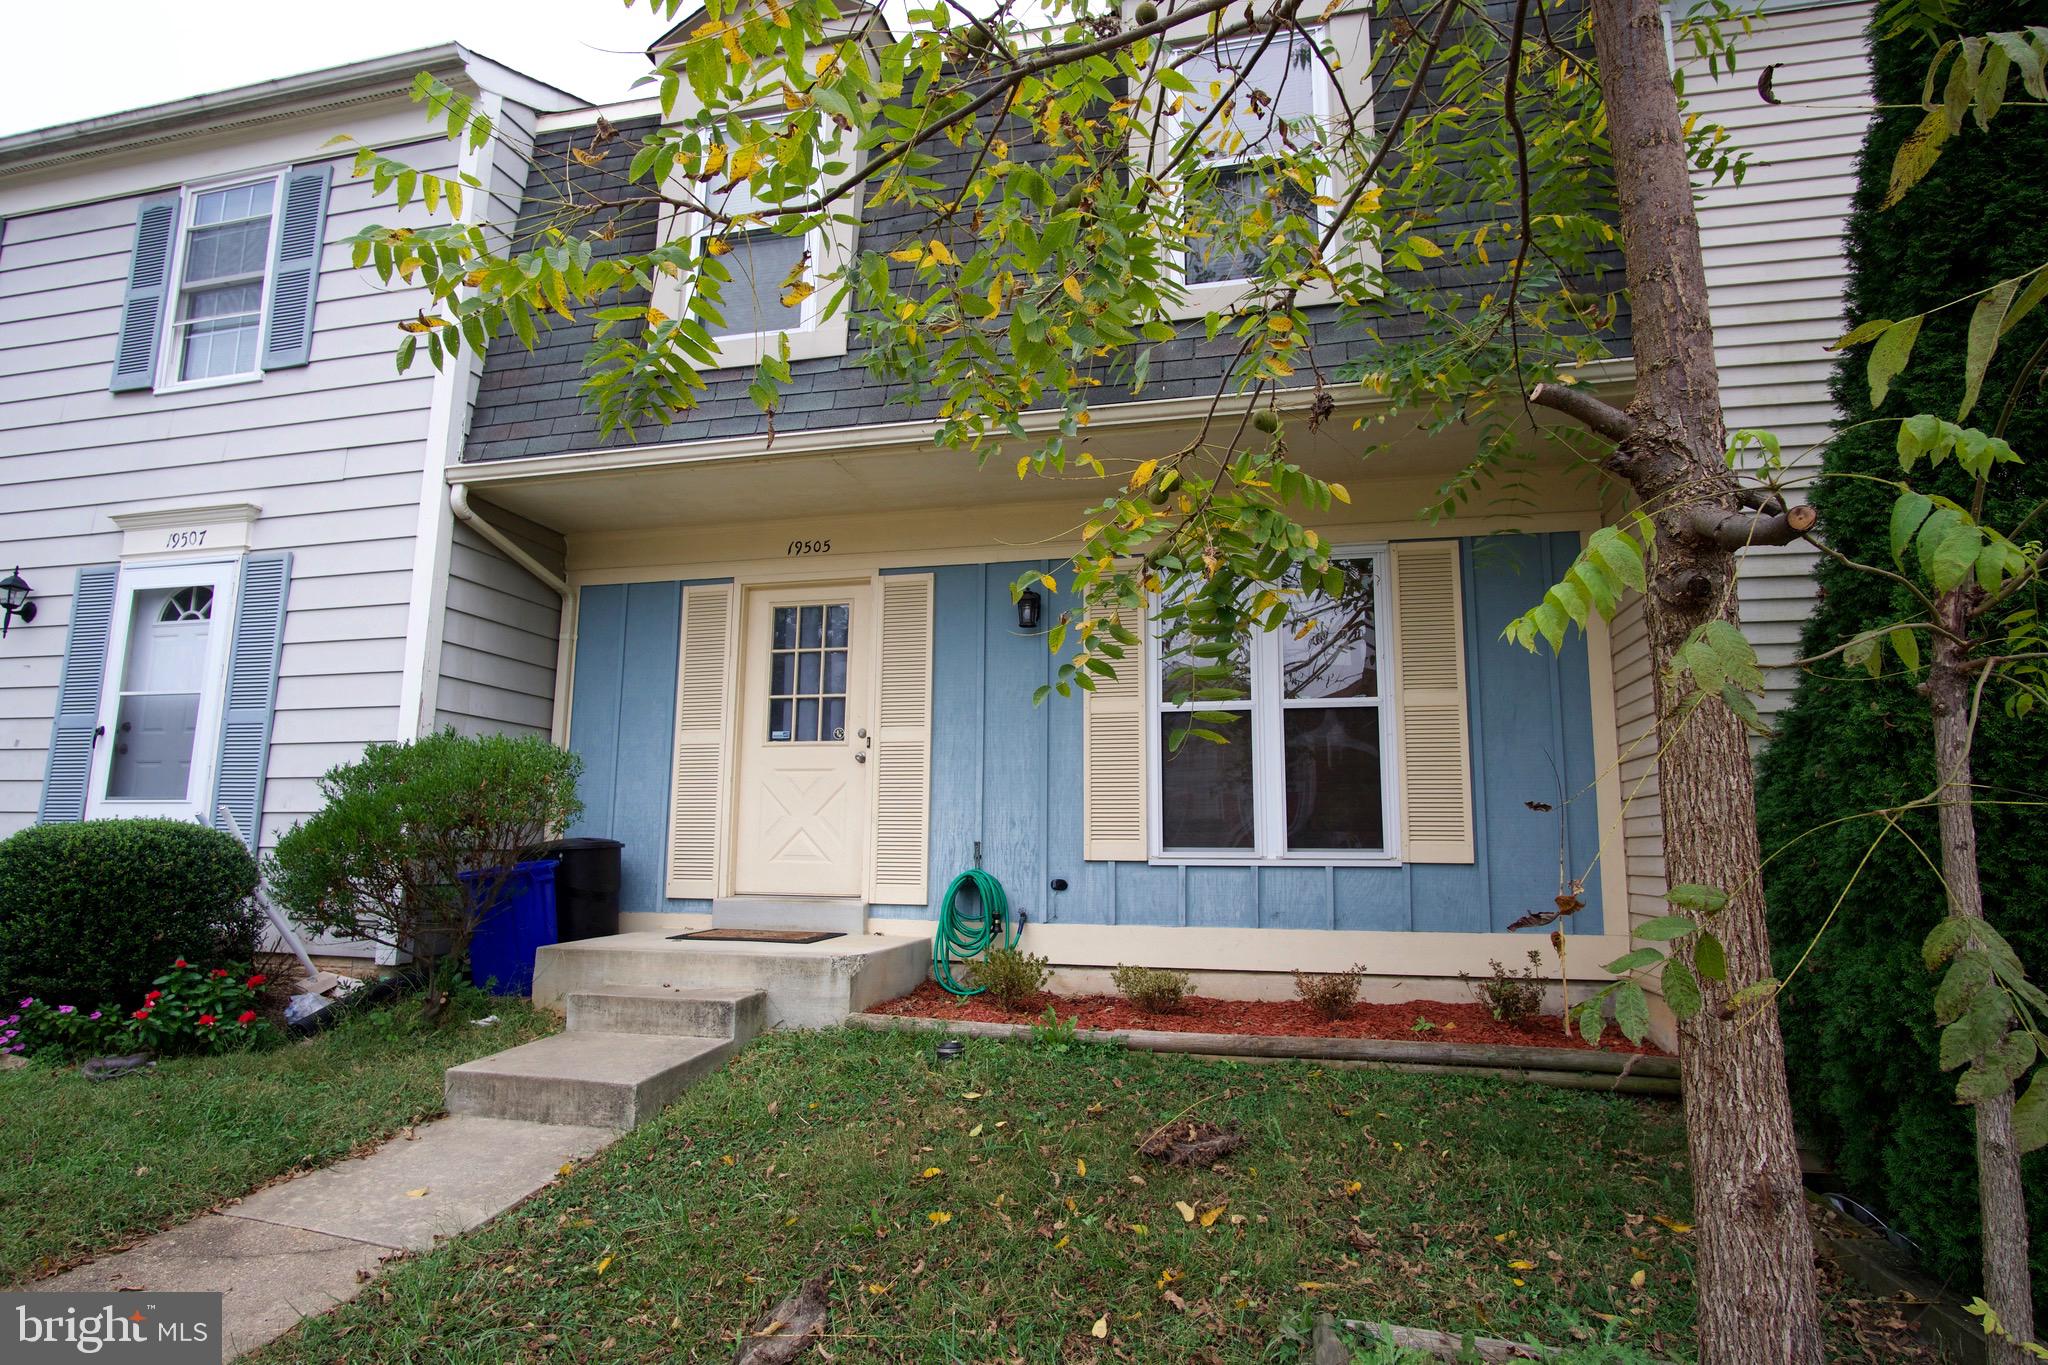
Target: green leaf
1960, 985
1906, 644
1890, 355
1692, 896
1632, 1012
2030, 1114
1630, 961
1955, 557
2036, 290
1908, 513
1681, 989
1669, 927
1591, 1022
1987, 323
1710, 959
1932, 531
1915, 158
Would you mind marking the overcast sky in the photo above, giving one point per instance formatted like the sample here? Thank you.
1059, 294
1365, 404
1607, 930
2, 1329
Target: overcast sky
75, 59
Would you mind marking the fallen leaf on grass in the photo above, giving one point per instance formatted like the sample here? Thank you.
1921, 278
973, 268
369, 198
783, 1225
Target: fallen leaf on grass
1080, 1167
1673, 1224
604, 1265
1187, 1210
1209, 1218
1100, 1331
930, 1173
1635, 1281
568, 1168
974, 1131
939, 1216
1521, 1265
1353, 1186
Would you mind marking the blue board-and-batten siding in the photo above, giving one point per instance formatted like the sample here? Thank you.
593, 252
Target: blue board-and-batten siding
1007, 774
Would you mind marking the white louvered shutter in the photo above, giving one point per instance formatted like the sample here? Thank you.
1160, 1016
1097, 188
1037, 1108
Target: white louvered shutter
1113, 757
903, 742
696, 818
1429, 673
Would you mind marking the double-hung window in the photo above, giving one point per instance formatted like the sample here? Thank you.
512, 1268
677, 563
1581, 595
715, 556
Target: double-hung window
760, 299
1284, 93
223, 269
1305, 769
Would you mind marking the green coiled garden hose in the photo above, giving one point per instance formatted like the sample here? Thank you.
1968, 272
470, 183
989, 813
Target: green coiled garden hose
966, 936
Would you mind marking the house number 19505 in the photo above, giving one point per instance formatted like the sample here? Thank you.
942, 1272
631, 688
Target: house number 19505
809, 547
184, 540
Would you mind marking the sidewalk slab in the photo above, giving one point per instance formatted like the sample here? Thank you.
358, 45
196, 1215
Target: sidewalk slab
269, 1277
471, 1168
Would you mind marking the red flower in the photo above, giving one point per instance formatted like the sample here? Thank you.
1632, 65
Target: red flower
246, 1017
206, 1020
142, 1013
152, 997
218, 971
179, 963
253, 982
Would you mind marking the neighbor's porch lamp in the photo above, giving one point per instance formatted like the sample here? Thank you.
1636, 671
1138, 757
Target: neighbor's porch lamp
14, 603
1028, 606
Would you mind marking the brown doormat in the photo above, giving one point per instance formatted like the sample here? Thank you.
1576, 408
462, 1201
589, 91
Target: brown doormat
760, 935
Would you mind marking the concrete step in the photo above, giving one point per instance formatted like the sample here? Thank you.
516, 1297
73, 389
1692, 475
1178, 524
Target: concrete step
828, 914
658, 1012
596, 1080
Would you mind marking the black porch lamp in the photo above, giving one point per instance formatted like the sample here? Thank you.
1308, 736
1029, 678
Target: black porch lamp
14, 603
1028, 605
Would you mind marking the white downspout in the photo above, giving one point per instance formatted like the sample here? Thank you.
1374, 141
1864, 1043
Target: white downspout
458, 503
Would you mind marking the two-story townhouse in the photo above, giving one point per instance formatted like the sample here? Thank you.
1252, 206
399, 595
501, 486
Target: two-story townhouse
804, 694
226, 501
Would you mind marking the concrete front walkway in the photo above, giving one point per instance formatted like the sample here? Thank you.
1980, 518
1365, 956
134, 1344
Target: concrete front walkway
300, 1247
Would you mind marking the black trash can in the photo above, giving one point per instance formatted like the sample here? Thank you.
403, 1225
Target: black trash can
586, 887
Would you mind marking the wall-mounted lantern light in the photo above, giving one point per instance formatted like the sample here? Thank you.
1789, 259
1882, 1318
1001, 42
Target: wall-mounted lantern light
1028, 607
14, 603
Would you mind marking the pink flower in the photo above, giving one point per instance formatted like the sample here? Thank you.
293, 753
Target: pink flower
27, 1001
67, 1009
94, 1015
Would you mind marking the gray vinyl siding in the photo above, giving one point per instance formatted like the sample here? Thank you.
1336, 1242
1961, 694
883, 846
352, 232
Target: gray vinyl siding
331, 452
1775, 268
500, 634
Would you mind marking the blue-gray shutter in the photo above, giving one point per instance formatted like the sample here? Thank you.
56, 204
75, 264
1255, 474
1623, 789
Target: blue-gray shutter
149, 282
295, 268
252, 696
76, 729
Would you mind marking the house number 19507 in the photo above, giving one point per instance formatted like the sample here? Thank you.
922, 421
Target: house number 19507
184, 540
809, 547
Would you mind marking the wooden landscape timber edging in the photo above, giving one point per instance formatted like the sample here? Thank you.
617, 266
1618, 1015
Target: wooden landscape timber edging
1623, 1073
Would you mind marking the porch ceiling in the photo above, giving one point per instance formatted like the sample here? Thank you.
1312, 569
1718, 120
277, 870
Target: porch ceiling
897, 468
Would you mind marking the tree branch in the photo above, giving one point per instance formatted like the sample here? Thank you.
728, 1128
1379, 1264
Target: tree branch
1595, 414
1739, 530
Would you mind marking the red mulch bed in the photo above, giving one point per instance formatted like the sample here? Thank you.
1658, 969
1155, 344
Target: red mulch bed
1454, 1023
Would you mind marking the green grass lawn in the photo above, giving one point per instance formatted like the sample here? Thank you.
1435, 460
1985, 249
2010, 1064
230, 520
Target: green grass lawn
87, 1166
996, 1209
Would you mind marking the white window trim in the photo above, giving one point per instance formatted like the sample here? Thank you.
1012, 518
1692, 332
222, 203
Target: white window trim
1348, 31
1269, 758
167, 380
134, 580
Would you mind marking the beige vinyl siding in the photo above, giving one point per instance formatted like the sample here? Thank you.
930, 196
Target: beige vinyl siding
1775, 269
331, 452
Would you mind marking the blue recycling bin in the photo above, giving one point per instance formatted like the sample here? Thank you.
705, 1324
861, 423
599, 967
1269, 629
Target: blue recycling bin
509, 933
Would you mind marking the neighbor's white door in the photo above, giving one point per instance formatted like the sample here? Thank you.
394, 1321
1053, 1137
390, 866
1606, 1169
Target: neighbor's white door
161, 710
805, 742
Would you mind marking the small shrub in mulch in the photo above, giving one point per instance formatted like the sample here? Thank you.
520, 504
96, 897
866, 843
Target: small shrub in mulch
1151, 988
1191, 1144
1330, 994
1012, 979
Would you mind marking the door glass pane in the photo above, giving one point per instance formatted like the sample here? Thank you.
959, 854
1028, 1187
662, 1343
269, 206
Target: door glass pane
806, 674
1333, 778
1327, 645
157, 720
1205, 796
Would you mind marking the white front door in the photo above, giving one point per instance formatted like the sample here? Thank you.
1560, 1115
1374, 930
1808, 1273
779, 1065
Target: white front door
804, 742
160, 712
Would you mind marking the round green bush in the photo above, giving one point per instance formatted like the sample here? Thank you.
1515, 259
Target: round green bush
91, 913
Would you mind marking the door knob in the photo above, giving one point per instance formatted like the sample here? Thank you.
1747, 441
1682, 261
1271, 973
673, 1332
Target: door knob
860, 756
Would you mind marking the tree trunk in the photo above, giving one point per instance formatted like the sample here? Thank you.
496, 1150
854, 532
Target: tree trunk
1755, 1274
2000, 1196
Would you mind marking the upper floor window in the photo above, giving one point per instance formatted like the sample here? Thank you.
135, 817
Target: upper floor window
761, 297
1305, 767
224, 262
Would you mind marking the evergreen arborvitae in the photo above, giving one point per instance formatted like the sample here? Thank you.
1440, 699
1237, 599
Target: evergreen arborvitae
1858, 1018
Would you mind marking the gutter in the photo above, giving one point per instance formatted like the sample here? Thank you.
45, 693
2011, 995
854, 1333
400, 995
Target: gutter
458, 503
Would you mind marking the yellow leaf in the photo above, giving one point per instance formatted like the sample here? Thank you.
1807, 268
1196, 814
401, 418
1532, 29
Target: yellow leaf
1518, 1280
971, 1095
1424, 248
1341, 493
1311, 1286
797, 293
604, 1265
727, 1158
1635, 1281
1073, 288
1023, 465
1187, 1210
568, 1168
941, 254
476, 277
914, 253
1080, 1167
878, 1289
1521, 1265
1142, 475
584, 158
716, 246
1503, 1236
1167, 1277
745, 162
416, 1194
938, 1217
1100, 1330
930, 1171
975, 1131
1352, 1187
1209, 1218
1060, 1245
714, 159
1278, 323
1673, 1224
